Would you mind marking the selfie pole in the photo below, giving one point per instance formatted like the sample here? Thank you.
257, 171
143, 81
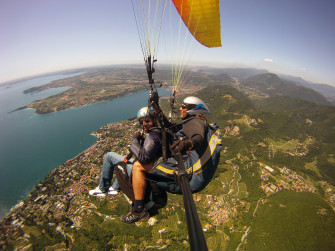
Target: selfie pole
195, 233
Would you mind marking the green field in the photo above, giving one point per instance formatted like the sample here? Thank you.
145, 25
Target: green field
293, 221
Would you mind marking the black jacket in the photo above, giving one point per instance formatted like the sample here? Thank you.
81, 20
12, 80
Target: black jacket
150, 150
195, 129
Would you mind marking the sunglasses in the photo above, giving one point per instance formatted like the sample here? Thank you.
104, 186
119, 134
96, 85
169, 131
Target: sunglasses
145, 120
183, 106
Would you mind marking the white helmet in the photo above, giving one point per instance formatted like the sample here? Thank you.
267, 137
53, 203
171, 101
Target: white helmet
195, 105
144, 111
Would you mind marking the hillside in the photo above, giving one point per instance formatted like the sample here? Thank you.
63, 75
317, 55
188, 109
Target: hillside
326, 90
271, 85
276, 156
239, 73
286, 218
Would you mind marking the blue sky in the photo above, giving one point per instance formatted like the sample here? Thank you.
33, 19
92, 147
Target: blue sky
294, 37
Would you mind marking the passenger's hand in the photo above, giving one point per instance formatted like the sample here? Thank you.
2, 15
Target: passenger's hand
137, 136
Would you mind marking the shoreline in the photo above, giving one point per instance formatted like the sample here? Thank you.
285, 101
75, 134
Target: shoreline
22, 192
93, 133
100, 145
37, 111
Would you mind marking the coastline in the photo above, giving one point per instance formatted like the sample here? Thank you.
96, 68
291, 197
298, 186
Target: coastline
65, 179
101, 144
49, 151
58, 109
51, 104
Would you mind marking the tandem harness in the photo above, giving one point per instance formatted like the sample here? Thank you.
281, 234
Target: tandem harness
200, 164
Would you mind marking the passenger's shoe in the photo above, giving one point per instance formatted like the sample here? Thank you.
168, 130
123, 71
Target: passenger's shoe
97, 192
133, 216
112, 191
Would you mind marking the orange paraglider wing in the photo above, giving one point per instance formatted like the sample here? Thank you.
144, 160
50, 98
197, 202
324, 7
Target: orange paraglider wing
202, 18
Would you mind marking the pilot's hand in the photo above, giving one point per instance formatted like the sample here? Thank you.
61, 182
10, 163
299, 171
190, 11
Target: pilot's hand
154, 98
183, 145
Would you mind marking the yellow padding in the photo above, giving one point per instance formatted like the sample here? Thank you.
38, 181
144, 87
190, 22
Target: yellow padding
214, 141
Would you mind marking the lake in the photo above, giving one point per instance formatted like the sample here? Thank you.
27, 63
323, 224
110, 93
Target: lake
32, 145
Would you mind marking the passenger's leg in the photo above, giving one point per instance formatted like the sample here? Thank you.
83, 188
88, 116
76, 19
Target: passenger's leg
139, 179
139, 186
107, 171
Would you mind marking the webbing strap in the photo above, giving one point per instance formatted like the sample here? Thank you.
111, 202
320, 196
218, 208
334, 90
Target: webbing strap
214, 141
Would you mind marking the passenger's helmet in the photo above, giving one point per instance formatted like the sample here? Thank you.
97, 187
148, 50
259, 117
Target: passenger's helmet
195, 105
144, 111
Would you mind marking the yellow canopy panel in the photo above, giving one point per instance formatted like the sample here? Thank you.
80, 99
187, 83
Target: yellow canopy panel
202, 18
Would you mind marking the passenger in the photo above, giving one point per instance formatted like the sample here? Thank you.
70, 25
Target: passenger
147, 149
146, 146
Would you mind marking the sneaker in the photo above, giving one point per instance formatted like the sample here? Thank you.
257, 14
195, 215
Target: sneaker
97, 192
112, 191
133, 216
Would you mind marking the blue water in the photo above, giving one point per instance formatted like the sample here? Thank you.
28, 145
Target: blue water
32, 145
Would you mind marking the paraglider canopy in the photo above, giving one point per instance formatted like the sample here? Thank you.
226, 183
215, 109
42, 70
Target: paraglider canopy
202, 18
202, 24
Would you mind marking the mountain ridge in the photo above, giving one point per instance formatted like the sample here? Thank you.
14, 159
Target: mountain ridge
272, 85
327, 90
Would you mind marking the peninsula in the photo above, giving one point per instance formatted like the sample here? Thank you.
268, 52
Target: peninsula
103, 84
91, 87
